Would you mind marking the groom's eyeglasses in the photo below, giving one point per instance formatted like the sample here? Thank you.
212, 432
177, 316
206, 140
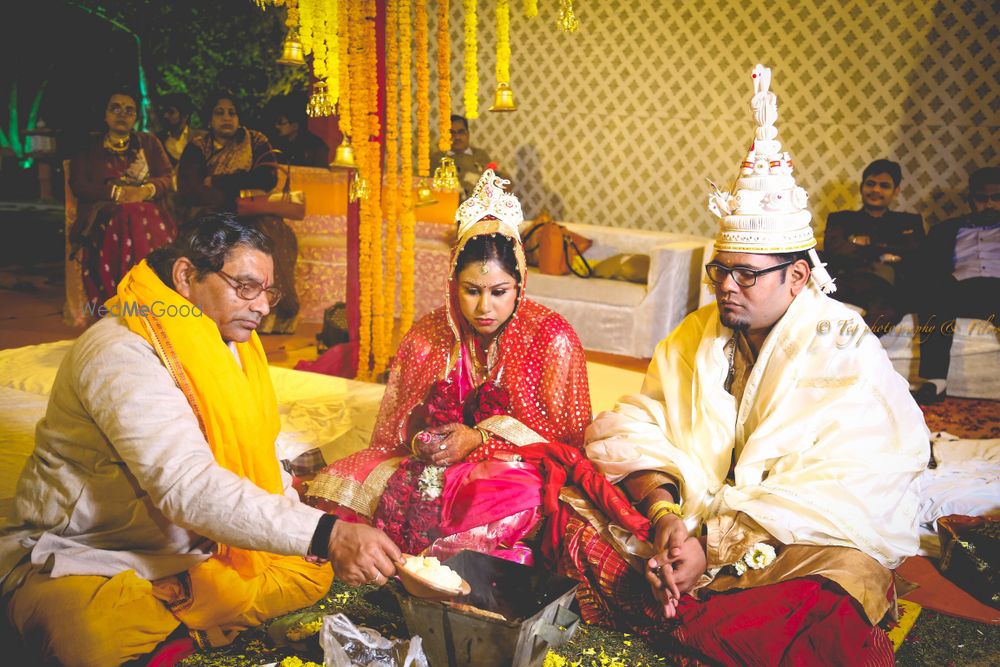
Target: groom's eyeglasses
743, 276
250, 290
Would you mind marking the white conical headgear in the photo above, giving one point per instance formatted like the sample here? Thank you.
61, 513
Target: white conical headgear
764, 211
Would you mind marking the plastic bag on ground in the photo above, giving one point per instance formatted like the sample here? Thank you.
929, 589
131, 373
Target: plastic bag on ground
347, 645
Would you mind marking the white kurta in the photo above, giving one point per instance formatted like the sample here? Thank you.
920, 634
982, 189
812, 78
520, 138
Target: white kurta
122, 478
828, 441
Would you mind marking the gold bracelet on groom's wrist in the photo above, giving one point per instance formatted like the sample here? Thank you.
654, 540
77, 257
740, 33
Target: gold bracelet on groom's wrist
662, 508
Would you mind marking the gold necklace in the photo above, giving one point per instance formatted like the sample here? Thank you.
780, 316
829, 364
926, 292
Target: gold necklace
480, 370
116, 145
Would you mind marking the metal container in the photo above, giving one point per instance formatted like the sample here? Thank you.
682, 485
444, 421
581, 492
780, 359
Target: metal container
512, 617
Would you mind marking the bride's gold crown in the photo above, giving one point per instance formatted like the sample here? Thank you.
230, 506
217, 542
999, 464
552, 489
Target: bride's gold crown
490, 199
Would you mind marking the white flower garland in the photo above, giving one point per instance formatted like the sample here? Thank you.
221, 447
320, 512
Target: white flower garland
759, 556
431, 482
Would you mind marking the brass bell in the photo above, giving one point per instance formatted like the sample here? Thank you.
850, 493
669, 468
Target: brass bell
344, 157
446, 176
359, 189
504, 99
425, 196
291, 52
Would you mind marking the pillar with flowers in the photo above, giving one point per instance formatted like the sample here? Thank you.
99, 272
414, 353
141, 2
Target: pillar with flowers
364, 56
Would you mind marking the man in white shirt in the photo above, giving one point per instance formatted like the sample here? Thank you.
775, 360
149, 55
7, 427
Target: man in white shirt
961, 268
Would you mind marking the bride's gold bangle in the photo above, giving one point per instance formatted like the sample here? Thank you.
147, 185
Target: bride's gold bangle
482, 434
413, 444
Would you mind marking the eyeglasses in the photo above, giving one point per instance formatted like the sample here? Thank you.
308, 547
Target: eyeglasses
982, 197
119, 110
743, 276
248, 291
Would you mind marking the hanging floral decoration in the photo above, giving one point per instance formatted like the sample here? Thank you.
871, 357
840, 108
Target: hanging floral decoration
319, 38
343, 67
471, 67
444, 77
391, 190
318, 33
503, 41
306, 26
408, 217
531, 8
373, 204
360, 91
423, 90
332, 50
292, 18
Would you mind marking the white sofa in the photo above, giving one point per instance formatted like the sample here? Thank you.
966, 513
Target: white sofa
620, 317
974, 371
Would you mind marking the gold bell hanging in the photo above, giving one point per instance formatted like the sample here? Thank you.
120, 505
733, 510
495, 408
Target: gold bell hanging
291, 51
359, 189
446, 176
344, 157
425, 195
319, 103
504, 99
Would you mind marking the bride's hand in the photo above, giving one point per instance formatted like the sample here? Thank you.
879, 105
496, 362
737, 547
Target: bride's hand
458, 443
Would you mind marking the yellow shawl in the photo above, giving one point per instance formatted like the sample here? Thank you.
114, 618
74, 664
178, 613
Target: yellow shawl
236, 407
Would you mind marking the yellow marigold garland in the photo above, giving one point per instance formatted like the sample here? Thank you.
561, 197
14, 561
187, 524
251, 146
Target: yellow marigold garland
306, 25
332, 51
531, 8
319, 38
423, 91
471, 66
392, 181
292, 19
359, 121
380, 348
408, 218
343, 62
503, 41
444, 77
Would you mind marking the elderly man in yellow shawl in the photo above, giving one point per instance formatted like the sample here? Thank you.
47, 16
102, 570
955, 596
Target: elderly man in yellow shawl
154, 505
773, 448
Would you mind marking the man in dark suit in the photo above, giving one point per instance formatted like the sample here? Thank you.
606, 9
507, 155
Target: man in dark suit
961, 265
871, 251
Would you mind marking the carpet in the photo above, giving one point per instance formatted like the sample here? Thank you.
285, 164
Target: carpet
936, 592
965, 418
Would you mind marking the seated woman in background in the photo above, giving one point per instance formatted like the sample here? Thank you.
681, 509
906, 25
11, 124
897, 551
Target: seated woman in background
219, 167
120, 181
454, 461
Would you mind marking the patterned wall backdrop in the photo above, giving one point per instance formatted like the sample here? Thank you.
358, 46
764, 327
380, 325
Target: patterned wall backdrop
621, 122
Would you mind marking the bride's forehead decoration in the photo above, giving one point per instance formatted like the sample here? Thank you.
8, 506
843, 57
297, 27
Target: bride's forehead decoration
490, 200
